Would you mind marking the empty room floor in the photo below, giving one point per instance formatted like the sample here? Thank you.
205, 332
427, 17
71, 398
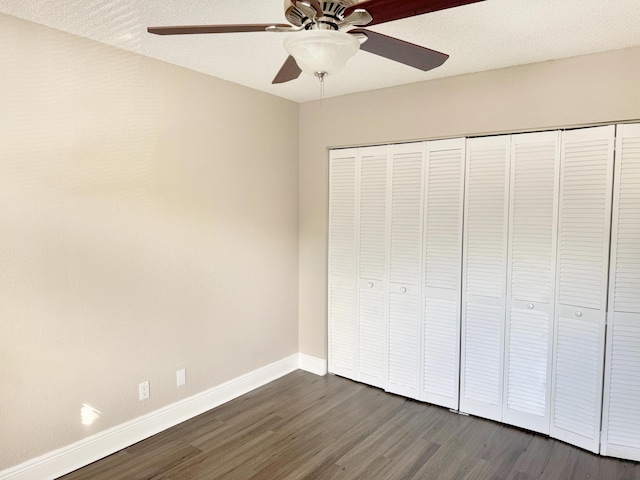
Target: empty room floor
303, 426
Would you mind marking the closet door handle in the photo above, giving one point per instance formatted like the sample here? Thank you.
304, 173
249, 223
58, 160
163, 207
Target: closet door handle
403, 290
370, 284
530, 306
578, 313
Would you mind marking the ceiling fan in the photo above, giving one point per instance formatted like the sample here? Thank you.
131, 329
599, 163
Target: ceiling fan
328, 33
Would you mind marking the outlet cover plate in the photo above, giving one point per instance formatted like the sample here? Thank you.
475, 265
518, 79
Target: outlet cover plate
143, 390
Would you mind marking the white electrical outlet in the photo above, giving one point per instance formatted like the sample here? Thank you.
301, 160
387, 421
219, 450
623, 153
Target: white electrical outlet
143, 390
181, 377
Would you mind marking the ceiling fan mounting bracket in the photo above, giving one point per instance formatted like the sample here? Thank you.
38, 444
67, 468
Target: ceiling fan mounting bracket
301, 14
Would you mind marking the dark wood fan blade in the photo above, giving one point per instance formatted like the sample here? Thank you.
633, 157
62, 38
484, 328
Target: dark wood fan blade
400, 51
289, 71
388, 10
195, 29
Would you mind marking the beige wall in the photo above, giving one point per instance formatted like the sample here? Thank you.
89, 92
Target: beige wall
581, 90
148, 222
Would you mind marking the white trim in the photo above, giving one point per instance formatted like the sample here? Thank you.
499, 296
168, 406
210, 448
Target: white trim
67, 459
315, 365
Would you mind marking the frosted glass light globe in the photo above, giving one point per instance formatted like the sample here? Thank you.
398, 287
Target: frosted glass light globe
321, 51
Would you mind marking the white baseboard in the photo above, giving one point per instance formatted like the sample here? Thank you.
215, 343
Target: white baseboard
67, 459
312, 364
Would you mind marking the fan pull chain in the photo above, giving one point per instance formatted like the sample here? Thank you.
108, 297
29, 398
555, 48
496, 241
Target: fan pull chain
321, 76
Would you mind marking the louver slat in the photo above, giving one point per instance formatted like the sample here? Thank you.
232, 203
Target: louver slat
584, 220
404, 345
527, 389
576, 379
444, 214
342, 219
486, 210
406, 213
533, 206
342, 262
342, 303
441, 355
371, 338
373, 210
626, 294
483, 354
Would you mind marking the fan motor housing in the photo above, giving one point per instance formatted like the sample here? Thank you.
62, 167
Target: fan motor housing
333, 14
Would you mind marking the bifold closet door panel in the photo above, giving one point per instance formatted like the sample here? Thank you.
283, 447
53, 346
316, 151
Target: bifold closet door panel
404, 269
534, 187
484, 275
442, 247
586, 184
621, 410
342, 262
373, 248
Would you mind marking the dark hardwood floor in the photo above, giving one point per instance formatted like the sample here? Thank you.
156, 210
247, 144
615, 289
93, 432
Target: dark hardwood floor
307, 427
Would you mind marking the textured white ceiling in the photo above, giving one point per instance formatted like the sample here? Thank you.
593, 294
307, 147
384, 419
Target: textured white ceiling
481, 36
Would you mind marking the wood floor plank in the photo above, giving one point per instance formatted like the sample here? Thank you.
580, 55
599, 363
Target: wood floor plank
306, 427
535, 457
561, 462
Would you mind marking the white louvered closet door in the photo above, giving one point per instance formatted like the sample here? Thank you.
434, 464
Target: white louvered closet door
342, 262
404, 269
484, 275
534, 187
621, 411
586, 183
372, 266
442, 246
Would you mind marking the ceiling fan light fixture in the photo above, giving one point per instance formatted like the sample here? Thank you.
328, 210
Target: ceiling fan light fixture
321, 51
